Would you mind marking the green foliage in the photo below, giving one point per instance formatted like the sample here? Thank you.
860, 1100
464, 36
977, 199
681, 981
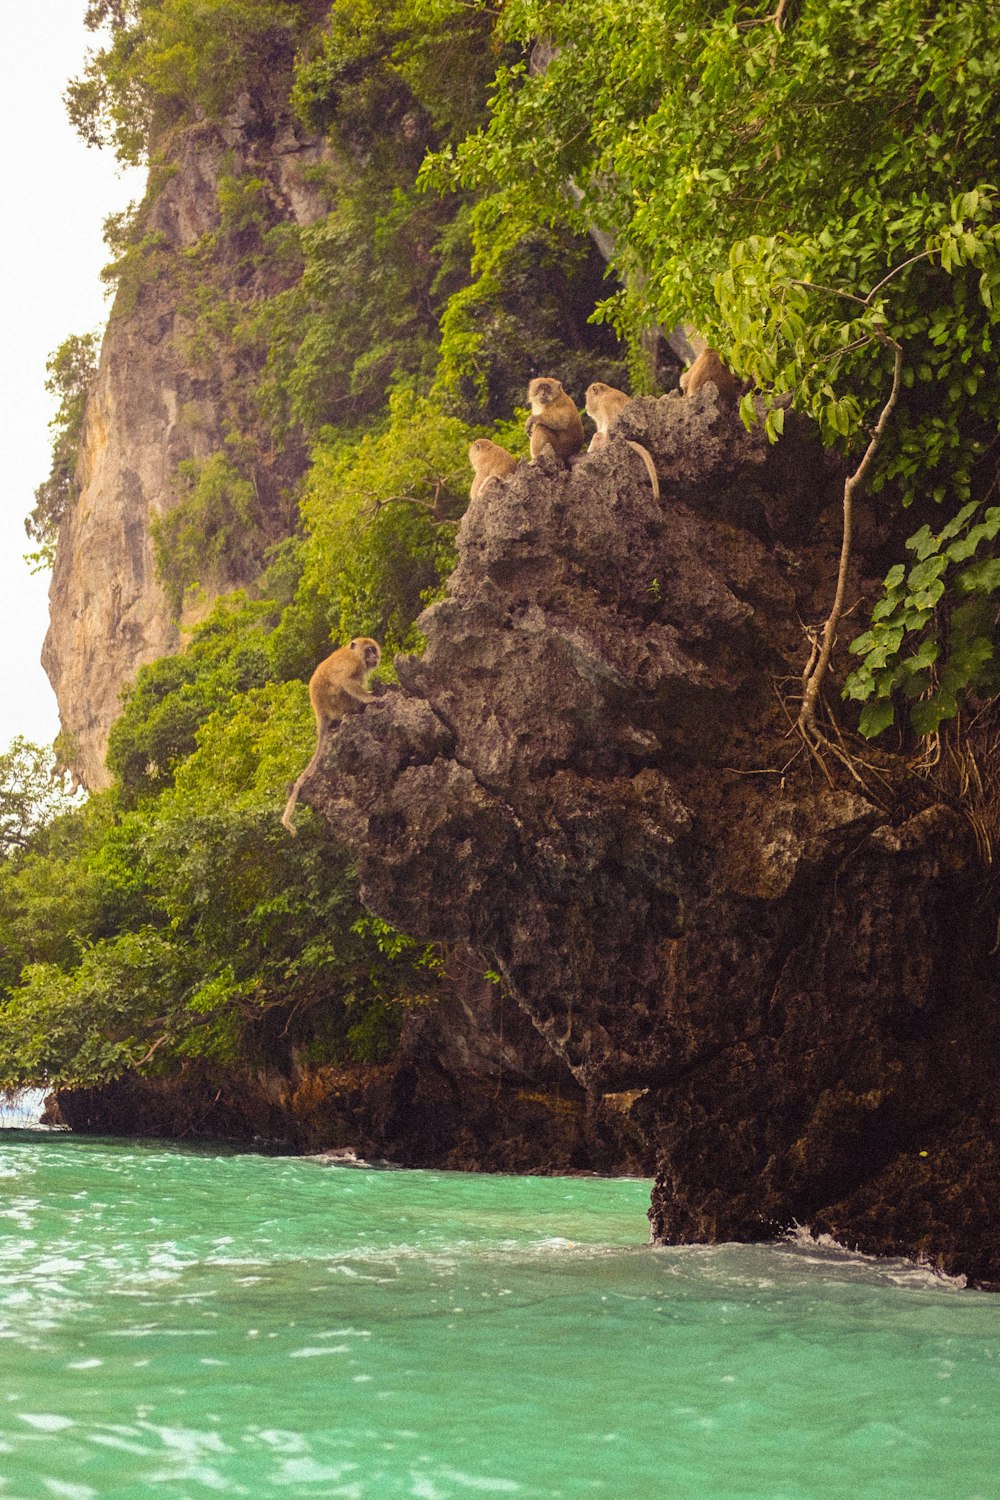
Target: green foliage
192, 926
380, 518
54, 898
169, 61
404, 72
71, 370
944, 609
212, 535
804, 196
228, 654
364, 314
32, 793
89, 1024
526, 312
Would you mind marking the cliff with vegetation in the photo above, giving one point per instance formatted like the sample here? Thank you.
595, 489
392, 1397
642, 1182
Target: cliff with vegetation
674, 820
161, 422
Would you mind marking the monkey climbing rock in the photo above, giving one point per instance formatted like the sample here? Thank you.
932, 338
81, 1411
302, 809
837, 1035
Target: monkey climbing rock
338, 685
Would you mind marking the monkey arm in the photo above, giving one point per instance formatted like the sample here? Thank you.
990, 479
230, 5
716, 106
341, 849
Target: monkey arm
356, 690
561, 416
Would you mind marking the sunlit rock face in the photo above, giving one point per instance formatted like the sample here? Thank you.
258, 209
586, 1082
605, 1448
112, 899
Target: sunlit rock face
778, 973
153, 405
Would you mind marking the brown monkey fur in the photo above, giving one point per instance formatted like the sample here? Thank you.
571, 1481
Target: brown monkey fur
604, 405
490, 461
554, 419
335, 688
709, 367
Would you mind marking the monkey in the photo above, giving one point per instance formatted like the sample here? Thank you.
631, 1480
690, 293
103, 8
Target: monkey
709, 367
490, 461
338, 683
605, 405
554, 419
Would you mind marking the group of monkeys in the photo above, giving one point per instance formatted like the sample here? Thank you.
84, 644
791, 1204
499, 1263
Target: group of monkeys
555, 421
340, 682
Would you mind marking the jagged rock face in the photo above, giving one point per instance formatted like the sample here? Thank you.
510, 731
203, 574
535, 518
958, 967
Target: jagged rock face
146, 413
471, 1087
782, 979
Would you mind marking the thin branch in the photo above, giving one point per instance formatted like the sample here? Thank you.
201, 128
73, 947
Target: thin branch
373, 507
847, 349
834, 291
153, 1049
815, 673
778, 20
902, 267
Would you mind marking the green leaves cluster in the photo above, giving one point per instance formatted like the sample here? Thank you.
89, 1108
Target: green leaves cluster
169, 61
70, 371
364, 312
380, 516
33, 791
191, 925
942, 609
213, 535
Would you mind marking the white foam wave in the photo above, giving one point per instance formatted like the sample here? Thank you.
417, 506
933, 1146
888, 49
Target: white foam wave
824, 1249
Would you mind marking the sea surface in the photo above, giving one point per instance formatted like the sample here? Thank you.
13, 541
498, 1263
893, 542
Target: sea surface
180, 1324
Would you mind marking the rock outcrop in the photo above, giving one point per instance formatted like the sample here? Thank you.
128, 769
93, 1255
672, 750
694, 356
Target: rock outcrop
151, 407
471, 1087
780, 976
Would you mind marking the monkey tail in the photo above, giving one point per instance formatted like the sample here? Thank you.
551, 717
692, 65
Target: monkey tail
647, 459
293, 796
286, 816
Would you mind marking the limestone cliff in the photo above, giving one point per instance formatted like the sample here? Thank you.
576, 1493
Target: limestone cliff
781, 975
150, 408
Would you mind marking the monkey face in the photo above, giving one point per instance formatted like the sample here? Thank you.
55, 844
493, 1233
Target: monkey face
371, 651
543, 390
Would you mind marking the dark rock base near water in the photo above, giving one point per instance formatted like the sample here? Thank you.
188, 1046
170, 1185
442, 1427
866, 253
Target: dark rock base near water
770, 980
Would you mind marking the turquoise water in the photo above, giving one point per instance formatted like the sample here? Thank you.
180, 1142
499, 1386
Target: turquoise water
176, 1325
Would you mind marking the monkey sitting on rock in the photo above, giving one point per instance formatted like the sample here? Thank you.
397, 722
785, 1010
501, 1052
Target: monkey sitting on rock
604, 405
554, 419
490, 461
708, 367
336, 687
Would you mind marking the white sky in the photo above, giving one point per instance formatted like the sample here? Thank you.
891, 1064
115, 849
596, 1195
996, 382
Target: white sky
56, 195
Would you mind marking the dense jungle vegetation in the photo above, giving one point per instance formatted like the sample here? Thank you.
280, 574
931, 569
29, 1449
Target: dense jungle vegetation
813, 186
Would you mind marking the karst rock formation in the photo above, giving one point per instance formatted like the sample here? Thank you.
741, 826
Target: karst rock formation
774, 971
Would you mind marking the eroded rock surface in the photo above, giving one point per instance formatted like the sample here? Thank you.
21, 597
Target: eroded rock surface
782, 982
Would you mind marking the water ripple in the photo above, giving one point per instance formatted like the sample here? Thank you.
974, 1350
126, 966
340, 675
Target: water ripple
190, 1324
